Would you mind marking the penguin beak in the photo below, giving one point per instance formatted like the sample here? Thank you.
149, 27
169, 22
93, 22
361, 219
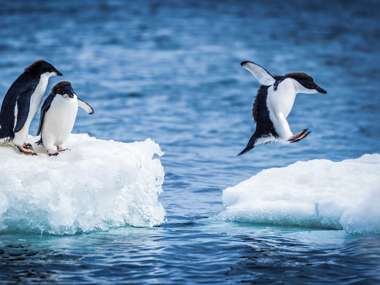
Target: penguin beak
320, 90
57, 72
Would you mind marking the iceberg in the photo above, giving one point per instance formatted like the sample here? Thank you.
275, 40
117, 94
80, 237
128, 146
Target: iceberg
96, 185
317, 193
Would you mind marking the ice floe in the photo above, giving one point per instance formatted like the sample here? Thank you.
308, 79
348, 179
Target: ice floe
96, 185
317, 193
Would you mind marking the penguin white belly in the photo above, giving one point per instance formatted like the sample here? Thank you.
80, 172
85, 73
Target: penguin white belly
280, 103
59, 121
282, 100
35, 101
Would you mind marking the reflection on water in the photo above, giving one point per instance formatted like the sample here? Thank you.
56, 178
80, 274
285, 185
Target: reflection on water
170, 71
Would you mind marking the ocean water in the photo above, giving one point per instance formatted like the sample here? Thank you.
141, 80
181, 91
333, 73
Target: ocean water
170, 71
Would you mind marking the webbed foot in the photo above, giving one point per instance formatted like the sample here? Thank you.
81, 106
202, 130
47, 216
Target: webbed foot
61, 149
300, 136
26, 150
28, 146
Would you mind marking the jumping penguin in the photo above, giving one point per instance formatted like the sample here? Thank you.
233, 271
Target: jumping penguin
21, 102
58, 115
274, 102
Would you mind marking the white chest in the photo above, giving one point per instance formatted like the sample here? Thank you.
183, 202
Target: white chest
37, 95
282, 99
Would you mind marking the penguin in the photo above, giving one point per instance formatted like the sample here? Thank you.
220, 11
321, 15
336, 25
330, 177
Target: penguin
274, 102
21, 103
57, 117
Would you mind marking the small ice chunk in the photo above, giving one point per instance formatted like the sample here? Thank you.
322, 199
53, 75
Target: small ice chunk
317, 193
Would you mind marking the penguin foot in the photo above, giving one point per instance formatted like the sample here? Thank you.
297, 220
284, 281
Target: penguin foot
28, 146
300, 136
53, 154
24, 150
61, 149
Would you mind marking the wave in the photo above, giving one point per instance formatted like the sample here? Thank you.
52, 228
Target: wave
97, 185
317, 193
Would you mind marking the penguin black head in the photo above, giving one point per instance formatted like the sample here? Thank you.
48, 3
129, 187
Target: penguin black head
306, 82
40, 67
64, 89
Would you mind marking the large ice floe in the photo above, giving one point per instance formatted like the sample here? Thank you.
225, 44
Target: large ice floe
317, 193
96, 185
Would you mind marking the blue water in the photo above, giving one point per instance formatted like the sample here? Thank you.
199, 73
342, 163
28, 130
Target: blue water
170, 71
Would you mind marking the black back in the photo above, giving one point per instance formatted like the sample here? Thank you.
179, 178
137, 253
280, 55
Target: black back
260, 113
20, 93
45, 107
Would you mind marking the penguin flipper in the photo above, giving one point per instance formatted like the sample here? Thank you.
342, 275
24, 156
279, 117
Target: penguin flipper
250, 145
7, 108
300, 136
260, 73
23, 104
45, 107
85, 106
7, 121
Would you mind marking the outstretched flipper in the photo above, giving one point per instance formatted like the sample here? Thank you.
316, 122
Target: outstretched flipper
300, 136
260, 73
85, 106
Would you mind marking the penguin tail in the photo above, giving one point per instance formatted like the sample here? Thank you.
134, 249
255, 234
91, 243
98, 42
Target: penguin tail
6, 128
250, 145
5, 134
5, 138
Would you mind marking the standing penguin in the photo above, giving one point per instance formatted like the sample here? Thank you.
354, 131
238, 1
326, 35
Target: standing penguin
274, 102
21, 102
58, 115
